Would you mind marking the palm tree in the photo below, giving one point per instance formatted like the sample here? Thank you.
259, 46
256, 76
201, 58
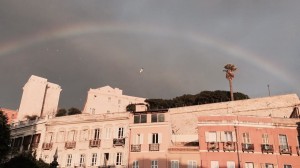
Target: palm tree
229, 69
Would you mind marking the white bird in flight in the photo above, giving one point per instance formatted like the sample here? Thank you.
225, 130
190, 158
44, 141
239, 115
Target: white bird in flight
141, 70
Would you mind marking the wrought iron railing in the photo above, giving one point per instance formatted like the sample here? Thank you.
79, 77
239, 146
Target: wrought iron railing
154, 147
247, 147
213, 146
95, 143
267, 148
136, 148
70, 144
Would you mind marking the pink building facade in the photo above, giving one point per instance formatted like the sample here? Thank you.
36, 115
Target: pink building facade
248, 142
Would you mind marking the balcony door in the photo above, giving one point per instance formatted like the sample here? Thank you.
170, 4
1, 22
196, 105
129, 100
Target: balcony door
283, 141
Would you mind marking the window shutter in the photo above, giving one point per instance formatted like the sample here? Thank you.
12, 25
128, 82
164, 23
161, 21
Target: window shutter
233, 136
116, 132
206, 137
141, 139
218, 136
159, 138
223, 139
275, 166
149, 138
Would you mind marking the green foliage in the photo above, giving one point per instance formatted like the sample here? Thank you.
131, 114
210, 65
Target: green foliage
130, 107
64, 112
25, 160
204, 97
61, 112
73, 111
32, 117
4, 137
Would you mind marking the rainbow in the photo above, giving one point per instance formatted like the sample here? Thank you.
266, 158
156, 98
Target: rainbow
68, 31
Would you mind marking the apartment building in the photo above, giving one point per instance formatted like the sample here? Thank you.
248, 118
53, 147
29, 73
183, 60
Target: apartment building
248, 142
40, 98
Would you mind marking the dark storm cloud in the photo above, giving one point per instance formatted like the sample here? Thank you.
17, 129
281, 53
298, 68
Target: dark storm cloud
182, 46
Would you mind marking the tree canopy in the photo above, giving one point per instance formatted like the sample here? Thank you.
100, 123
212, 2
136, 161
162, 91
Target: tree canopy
4, 136
25, 160
70, 111
203, 97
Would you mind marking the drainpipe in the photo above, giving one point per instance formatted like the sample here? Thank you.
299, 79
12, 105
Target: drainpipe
237, 146
129, 147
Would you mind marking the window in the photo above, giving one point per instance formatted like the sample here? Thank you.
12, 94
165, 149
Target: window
192, 164
135, 164
94, 159
140, 118
84, 135
212, 136
92, 110
120, 132
283, 141
106, 158
119, 159
228, 136
155, 138
71, 135
249, 165
138, 139
60, 136
154, 164
108, 132
246, 138
49, 137
82, 160
265, 138
287, 166
230, 164
267, 165
109, 99
214, 164
69, 160
174, 164
157, 117
97, 134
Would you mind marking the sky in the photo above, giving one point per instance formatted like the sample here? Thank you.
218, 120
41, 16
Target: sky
182, 46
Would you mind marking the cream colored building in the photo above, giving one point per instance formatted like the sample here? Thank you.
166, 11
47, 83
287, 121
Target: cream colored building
39, 98
108, 100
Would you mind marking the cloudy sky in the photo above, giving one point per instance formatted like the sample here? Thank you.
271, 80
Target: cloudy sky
182, 46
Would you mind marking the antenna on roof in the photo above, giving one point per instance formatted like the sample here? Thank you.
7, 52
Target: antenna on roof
269, 89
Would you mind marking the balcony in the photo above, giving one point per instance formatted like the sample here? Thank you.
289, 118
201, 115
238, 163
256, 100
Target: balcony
213, 146
95, 143
228, 146
70, 145
118, 142
47, 146
136, 148
246, 147
154, 147
267, 148
298, 150
284, 149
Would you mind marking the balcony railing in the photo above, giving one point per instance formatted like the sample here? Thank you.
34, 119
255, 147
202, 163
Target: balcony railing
47, 146
284, 149
267, 148
136, 148
228, 146
247, 147
213, 146
118, 142
298, 150
154, 147
70, 144
95, 143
